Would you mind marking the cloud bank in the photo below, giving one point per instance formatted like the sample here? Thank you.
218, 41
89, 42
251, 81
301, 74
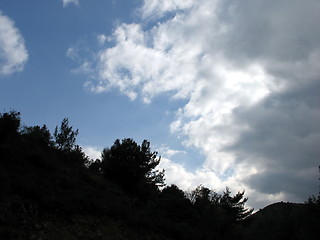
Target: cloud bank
249, 71
13, 53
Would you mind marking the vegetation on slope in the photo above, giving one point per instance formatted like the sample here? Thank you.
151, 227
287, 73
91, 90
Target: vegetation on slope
51, 190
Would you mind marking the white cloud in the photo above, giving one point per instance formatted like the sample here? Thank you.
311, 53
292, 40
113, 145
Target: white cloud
137, 60
177, 174
67, 2
13, 53
102, 38
166, 151
92, 152
75, 54
249, 71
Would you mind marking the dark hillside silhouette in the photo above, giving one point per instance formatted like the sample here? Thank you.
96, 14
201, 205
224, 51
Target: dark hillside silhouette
284, 221
49, 189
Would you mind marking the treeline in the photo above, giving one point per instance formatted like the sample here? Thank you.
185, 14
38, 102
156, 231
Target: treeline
51, 190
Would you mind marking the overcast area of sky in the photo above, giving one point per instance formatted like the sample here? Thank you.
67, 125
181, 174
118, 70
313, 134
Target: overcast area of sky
227, 91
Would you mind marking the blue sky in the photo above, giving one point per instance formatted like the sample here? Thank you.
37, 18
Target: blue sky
47, 90
226, 91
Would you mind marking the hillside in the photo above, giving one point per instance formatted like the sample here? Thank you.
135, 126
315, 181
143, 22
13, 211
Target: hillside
49, 189
283, 221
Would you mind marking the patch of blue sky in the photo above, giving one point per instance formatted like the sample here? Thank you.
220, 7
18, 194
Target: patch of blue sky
46, 84
191, 159
227, 174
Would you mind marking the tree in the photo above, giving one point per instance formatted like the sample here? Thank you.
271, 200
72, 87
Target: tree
235, 206
132, 166
9, 124
38, 135
313, 200
173, 192
173, 204
232, 206
203, 197
95, 166
65, 137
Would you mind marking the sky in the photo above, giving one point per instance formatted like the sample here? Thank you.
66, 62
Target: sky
227, 91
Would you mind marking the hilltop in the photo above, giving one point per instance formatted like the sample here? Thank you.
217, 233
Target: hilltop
283, 221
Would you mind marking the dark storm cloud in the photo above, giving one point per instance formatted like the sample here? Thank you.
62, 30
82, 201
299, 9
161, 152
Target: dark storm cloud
287, 182
283, 138
269, 31
283, 131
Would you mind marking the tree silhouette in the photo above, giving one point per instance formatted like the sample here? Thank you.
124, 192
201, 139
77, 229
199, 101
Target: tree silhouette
313, 200
95, 166
203, 197
232, 207
65, 137
174, 204
132, 166
235, 206
9, 125
38, 135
